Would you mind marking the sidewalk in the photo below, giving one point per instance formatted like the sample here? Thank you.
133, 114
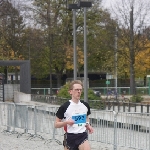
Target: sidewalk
10, 141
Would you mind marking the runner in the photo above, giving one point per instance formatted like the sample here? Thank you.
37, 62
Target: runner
74, 114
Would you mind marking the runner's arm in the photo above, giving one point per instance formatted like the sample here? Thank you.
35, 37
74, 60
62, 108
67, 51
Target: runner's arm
88, 126
59, 123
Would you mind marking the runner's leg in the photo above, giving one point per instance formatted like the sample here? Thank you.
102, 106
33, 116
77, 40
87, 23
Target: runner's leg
85, 146
65, 148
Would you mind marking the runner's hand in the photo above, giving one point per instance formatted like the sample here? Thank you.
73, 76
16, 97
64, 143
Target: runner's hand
89, 128
70, 122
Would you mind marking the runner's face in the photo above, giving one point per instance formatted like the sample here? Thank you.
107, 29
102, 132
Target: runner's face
76, 91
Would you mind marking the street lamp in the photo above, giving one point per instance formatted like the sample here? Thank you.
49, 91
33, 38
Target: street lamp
74, 7
116, 62
85, 5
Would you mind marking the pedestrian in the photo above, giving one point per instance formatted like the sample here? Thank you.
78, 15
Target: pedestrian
74, 114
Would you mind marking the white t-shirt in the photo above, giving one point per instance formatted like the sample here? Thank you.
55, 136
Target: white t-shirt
77, 112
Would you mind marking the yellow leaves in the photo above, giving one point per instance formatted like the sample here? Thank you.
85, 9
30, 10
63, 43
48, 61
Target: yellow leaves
122, 62
142, 62
69, 65
80, 56
20, 57
69, 56
18, 67
12, 54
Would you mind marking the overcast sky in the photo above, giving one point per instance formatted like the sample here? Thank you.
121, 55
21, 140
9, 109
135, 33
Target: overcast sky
107, 3
145, 10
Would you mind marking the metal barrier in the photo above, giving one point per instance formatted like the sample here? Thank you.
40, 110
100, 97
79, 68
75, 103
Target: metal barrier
44, 98
119, 129
9, 109
3, 117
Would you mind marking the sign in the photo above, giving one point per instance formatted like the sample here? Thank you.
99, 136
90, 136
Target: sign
148, 76
107, 82
109, 76
80, 120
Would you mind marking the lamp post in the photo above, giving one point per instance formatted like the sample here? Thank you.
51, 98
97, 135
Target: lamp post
74, 7
29, 48
85, 5
116, 65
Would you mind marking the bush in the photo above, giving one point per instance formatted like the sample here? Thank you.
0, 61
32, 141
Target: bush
63, 93
136, 99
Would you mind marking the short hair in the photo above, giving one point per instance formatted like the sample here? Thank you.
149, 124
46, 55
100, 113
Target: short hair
74, 82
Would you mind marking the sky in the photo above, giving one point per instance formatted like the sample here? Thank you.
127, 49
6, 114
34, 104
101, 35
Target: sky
146, 5
107, 3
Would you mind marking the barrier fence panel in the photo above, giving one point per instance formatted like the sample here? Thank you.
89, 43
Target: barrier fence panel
21, 117
133, 130
31, 119
103, 123
44, 119
44, 98
3, 114
44, 124
10, 109
58, 134
119, 129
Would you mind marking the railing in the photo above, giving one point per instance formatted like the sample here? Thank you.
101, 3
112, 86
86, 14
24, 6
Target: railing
103, 90
119, 129
97, 104
123, 90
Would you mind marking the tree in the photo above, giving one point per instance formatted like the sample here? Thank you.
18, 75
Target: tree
11, 28
142, 62
132, 17
50, 16
100, 32
55, 21
33, 49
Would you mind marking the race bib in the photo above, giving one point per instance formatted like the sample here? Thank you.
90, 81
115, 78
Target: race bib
80, 120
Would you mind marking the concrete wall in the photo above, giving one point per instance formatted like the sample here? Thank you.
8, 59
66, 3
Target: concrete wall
21, 97
9, 91
12, 93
